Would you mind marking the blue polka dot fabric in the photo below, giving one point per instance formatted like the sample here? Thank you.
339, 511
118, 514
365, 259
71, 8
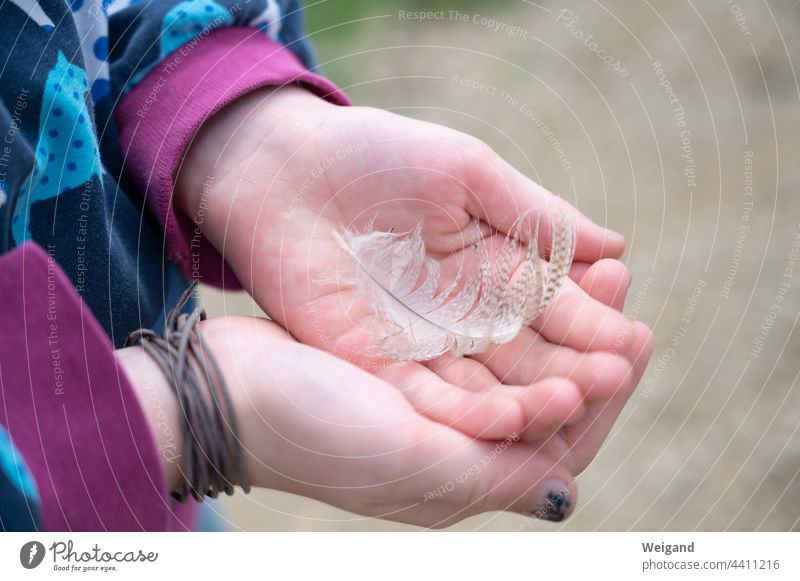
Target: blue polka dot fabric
100, 48
63, 123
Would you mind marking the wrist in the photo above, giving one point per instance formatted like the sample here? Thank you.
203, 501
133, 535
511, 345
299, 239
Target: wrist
263, 122
163, 414
160, 407
227, 171
232, 340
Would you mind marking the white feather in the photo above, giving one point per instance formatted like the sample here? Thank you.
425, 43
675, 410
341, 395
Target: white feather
417, 321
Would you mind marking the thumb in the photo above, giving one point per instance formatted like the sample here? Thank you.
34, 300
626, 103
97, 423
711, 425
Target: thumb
501, 193
514, 476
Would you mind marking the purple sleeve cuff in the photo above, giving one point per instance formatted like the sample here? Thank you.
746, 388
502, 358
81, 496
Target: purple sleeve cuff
70, 410
160, 116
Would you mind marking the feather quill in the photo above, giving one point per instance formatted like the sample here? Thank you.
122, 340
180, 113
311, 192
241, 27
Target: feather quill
489, 303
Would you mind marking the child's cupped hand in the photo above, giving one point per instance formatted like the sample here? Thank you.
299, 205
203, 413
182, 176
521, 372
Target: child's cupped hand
288, 168
314, 425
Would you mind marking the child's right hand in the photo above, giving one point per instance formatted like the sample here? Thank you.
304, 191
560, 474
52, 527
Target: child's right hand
314, 425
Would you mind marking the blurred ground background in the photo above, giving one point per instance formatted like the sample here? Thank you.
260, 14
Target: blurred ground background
710, 441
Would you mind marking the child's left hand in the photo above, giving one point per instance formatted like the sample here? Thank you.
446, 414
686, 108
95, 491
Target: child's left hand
288, 168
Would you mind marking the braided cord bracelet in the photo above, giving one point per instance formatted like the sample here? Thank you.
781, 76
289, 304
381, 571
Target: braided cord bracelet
213, 460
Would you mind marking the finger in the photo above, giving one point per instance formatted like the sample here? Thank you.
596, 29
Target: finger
502, 193
555, 505
489, 414
464, 372
547, 403
577, 320
642, 349
588, 435
530, 358
550, 404
607, 281
475, 476
516, 477
603, 281
578, 269
432, 514
574, 318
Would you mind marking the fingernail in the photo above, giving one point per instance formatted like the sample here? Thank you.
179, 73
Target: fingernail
555, 503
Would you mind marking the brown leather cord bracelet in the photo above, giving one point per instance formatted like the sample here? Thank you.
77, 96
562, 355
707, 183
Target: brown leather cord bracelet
213, 459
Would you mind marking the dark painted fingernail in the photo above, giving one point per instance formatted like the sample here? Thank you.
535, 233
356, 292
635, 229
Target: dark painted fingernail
555, 502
